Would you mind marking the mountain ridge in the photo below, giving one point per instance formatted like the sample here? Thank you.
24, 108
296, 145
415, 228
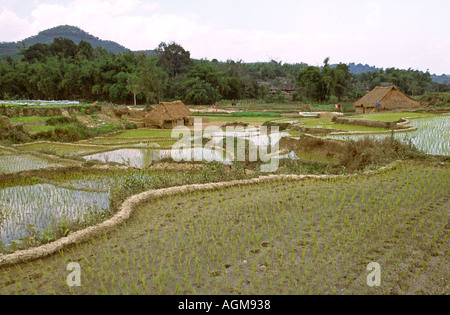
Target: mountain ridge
73, 33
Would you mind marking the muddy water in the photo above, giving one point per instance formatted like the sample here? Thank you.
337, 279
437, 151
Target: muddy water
143, 158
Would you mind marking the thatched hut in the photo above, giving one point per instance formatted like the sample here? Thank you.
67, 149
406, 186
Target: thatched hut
384, 99
168, 115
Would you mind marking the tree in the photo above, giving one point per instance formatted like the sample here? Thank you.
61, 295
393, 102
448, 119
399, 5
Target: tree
63, 48
173, 59
133, 85
234, 89
36, 53
342, 80
313, 84
85, 49
152, 79
199, 92
205, 85
119, 90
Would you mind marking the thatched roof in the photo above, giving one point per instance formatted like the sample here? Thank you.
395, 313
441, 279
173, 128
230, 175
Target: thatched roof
166, 111
389, 97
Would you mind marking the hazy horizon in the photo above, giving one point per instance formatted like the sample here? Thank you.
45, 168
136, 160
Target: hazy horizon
381, 33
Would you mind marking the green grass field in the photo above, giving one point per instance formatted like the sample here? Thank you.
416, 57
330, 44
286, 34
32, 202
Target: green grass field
391, 117
29, 119
325, 123
239, 119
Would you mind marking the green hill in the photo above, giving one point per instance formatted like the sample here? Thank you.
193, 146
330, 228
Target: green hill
70, 32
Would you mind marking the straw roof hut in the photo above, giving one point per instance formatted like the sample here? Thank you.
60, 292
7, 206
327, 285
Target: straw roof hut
383, 99
168, 115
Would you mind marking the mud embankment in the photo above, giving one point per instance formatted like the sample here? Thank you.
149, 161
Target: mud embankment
370, 123
308, 143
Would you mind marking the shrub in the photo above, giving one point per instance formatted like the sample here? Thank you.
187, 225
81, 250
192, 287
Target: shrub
54, 121
370, 151
129, 126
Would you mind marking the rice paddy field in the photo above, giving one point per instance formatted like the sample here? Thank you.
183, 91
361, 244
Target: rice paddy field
61, 149
432, 136
296, 237
292, 237
39, 103
144, 158
391, 117
37, 206
12, 163
326, 123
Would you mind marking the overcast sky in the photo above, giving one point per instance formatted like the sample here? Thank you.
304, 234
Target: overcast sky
393, 33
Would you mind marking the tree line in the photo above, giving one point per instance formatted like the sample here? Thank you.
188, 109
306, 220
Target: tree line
64, 70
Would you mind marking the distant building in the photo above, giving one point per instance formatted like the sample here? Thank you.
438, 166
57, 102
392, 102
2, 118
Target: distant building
384, 99
285, 88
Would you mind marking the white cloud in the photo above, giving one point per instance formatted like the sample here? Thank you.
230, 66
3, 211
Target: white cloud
12, 26
135, 24
354, 32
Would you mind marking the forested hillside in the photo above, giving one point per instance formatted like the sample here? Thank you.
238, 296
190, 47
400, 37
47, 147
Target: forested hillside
64, 69
73, 33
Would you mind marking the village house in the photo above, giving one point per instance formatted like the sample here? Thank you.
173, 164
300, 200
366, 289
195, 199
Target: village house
384, 99
168, 115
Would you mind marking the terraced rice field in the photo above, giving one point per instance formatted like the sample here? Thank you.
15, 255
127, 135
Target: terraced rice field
310, 236
36, 206
432, 136
391, 117
60, 149
292, 237
143, 158
11, 163
326, 123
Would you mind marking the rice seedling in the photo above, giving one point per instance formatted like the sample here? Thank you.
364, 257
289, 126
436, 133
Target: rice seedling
60, 149
31, 210
248, 245
432, 136
289, 237
143, 158
12, 163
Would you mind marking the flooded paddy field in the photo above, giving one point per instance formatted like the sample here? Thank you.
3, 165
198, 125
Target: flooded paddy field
29, 209
431, 137
13, 162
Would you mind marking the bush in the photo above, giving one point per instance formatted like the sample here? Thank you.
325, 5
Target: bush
74, 131
370, 151
278, 98
54, 121
69, 133
333, 99
129, 126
